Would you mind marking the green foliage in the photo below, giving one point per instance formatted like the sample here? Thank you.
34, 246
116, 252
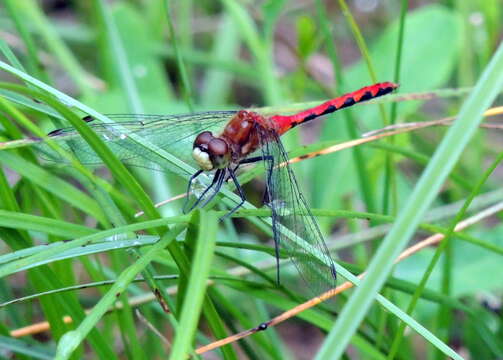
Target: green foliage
64, 225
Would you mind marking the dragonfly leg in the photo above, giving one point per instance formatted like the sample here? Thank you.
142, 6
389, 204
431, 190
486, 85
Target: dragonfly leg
270, 168
241, 195
252, 160
192, 178
268, 177
187, 197
218, 185
248, 161
232, 175
333, 271
274, 213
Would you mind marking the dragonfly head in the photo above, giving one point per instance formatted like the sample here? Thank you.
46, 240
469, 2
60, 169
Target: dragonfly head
210, 152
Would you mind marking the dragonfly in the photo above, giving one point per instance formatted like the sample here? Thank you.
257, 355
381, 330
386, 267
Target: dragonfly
218, 143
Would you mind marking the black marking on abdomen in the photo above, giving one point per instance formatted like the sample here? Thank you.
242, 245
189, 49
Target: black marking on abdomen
348, 102
384, 91
367, 96
310, 117
313, 116
328, 110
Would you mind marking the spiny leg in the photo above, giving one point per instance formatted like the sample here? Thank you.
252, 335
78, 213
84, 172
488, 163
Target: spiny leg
187, 196
232, 175
240, 192
273, 211
274, 214
215, 179
248, 161
218, 185
243, 199
253, 160
268, 175
269, 185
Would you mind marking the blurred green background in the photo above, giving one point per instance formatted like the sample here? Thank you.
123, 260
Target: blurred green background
170, 57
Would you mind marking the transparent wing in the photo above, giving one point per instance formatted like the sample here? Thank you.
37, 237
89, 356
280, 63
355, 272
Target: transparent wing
172, 133
295, 229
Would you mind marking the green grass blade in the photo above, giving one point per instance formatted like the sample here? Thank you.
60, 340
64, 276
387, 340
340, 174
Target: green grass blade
32, 58
52, 184
260, 48
217, 83
55, 227
24, 348
197, 283
54, 250
65, 57
119, 55
187, 87
71, 340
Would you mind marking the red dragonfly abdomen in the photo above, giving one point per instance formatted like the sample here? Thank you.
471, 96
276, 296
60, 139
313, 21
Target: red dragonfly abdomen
285, 123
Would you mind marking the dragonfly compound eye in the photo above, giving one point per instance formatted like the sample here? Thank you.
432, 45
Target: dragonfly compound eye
200, 150
219, 152
203, 139
210, 152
